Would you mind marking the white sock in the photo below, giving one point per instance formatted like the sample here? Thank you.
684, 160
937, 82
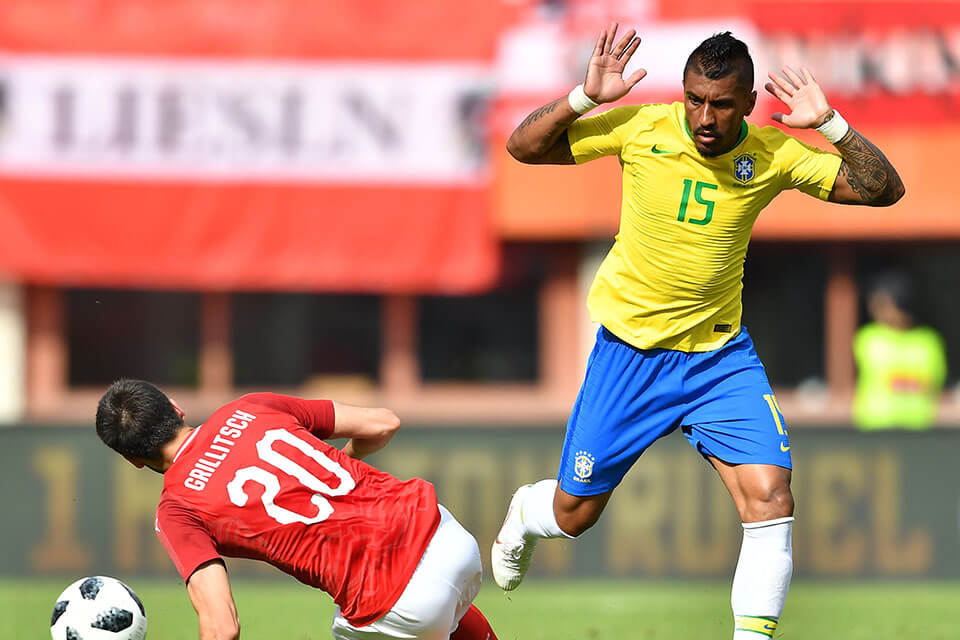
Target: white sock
536, 512
762, 579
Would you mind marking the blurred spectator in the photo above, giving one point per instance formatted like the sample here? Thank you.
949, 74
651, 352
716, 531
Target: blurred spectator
901, 367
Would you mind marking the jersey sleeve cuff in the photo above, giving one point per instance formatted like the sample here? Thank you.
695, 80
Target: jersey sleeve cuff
325, 419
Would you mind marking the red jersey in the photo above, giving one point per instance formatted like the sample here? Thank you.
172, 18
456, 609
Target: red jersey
257, 481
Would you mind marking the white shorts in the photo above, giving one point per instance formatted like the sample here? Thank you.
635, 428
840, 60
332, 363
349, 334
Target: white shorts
440, 591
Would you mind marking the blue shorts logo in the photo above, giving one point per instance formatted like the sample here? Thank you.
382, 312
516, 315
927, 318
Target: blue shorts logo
583, 466
743, 168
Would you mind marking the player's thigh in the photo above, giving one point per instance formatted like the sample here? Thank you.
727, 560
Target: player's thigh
732, 413
629, 398
438, 594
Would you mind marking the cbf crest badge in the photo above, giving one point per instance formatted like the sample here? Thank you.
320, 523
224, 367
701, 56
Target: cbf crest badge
744, 168
583, 466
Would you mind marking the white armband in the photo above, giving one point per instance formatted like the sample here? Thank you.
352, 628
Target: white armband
579, 101
835, 128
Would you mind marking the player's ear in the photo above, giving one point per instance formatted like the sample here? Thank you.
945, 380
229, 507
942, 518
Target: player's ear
177, 408
751, 102
135, 462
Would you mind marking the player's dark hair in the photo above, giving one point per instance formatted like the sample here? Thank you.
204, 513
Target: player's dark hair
720, 55
136, 419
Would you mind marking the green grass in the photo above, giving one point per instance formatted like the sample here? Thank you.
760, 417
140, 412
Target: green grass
550, 610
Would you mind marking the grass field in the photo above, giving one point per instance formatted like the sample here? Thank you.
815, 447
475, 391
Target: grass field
549, 610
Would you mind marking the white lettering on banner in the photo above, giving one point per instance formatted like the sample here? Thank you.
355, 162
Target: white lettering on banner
238, 121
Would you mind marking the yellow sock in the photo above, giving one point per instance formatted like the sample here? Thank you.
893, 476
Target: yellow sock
752, 627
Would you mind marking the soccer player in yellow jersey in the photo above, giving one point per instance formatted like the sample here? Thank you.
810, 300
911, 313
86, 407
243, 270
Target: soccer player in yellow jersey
671, 351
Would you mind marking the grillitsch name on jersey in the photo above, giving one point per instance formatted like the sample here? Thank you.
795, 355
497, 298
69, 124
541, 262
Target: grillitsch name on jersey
358, 538
221, 446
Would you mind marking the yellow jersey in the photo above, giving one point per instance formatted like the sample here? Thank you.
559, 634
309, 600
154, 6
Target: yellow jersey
674, 275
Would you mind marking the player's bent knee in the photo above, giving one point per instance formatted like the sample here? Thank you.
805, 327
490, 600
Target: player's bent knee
777, 502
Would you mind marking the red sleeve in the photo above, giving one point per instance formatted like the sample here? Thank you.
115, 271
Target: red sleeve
187, 541
316, 415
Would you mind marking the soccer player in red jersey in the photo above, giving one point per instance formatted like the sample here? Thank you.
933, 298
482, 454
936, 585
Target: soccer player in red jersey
257, 481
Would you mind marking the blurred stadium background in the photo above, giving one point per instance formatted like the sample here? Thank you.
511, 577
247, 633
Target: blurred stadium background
314, 198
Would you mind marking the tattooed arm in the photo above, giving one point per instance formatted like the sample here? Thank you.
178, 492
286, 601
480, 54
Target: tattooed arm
542, 137
865, 175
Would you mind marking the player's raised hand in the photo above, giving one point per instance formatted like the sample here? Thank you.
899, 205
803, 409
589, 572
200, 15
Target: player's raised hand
800, 92
604, 81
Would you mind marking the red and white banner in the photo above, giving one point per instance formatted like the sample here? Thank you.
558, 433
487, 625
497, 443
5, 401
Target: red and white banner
247, 145
348, 146
234, 121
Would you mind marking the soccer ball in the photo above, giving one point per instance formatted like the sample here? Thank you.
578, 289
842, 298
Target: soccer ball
98, 608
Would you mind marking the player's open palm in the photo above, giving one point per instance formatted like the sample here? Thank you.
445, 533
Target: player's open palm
802, 95
604, 81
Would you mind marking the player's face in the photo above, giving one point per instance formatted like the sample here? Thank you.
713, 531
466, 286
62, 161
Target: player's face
715, 110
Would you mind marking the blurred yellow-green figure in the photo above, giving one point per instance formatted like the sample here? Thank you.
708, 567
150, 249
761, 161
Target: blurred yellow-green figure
901, 367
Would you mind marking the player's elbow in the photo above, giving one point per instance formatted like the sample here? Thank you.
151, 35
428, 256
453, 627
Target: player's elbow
521, 151
891, 195
223, 629
386, 423
515, 150
898, 192
229, 630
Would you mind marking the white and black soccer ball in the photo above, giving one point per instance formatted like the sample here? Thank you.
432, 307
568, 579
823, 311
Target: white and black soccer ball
98, 608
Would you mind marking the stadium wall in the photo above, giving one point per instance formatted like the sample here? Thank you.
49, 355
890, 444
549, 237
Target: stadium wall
881, 505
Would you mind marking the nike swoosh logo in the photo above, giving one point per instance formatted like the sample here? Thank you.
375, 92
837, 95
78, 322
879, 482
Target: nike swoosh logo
783, 448
766, 626
655, 150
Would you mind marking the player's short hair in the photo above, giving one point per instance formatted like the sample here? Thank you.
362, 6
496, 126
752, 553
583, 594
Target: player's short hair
136, 419
720, 55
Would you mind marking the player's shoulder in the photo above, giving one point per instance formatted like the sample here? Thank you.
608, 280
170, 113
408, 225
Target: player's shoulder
247, 404
171, 502
776, 141
638, 115
780, 148
656, 113
770, 137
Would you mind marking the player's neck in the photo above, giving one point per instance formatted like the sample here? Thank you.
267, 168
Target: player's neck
171, 448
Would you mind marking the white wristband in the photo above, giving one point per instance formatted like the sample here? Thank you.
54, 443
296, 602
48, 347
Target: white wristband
579, 101
835, 128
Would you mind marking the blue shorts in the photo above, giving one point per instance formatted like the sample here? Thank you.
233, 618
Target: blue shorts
630, 397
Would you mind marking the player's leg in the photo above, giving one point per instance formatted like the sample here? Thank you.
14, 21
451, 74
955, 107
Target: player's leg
438, 595
575, 514
473, 626
628, 399
765, 504
734, 421
540, 510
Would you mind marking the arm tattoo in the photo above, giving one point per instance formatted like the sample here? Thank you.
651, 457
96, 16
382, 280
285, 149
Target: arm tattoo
539, 113
867, 171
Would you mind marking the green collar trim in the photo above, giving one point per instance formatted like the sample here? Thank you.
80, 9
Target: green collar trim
743, 133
